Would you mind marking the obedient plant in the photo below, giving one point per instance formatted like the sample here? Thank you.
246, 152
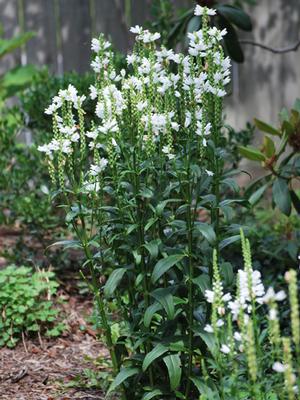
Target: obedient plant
141, 187
250, 357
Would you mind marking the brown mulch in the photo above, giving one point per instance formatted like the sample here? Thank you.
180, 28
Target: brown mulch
41, 369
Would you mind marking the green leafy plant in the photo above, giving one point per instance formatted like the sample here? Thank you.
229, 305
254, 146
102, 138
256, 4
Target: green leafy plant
140, 185
26, 305
281, 160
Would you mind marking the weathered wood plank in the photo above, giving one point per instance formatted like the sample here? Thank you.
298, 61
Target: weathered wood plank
110, 20
9, 22
40, 18
76, 34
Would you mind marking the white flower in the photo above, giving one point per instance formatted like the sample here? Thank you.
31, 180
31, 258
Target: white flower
131, 58
66, 146
45, 149
226, 297
96, 169
188, 119
93, 92
92, 134
136, 29
225, 349
201, 10
278, 367
209, 294
141, 105
280, 296
209, 173
51, 109
109, 126
271, 295
166, 150
237, 336
219, 323
208, 328
257, 288
95, 46
216, 33
91, 187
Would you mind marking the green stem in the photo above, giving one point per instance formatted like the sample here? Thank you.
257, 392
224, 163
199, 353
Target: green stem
190, 277
141, 242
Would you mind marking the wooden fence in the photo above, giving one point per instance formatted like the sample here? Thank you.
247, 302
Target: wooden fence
64, 28
262, 85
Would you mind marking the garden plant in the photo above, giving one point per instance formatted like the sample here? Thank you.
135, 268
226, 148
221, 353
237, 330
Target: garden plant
142, 187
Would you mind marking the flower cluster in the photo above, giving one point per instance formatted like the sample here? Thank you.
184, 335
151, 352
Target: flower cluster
165, 94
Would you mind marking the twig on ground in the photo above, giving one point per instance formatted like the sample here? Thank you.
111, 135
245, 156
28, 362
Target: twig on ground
24, 343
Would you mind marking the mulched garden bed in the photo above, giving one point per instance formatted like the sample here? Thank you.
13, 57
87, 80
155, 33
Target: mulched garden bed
42, 369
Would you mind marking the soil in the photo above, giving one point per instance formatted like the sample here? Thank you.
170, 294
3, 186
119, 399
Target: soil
44, 369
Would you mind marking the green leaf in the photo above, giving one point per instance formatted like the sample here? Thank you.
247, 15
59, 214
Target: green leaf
288, 128
150, 311
204, 389
207, 231
165, 298
209, 340
152, 394
251, 153
226, 242
264, 127
236, 16
162, 266
231, 41
17, 79
269, 147
256, 196
296, 105
281, 195
227, 273
193, 24
153, 247
122, 376
113, 281
232, 184
173, 364
203, 282
295, 200
9, 45
158, 351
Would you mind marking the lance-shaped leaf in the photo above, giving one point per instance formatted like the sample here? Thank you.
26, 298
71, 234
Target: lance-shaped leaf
158, 351
236, 16
122, 376
165, 298
151, 395
264, 127
251, 153
113, 281
162, 266
151, 310
173, 364
207, 231
281, 195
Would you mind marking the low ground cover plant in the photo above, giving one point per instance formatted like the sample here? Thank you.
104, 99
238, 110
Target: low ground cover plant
142, 186
27, 305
